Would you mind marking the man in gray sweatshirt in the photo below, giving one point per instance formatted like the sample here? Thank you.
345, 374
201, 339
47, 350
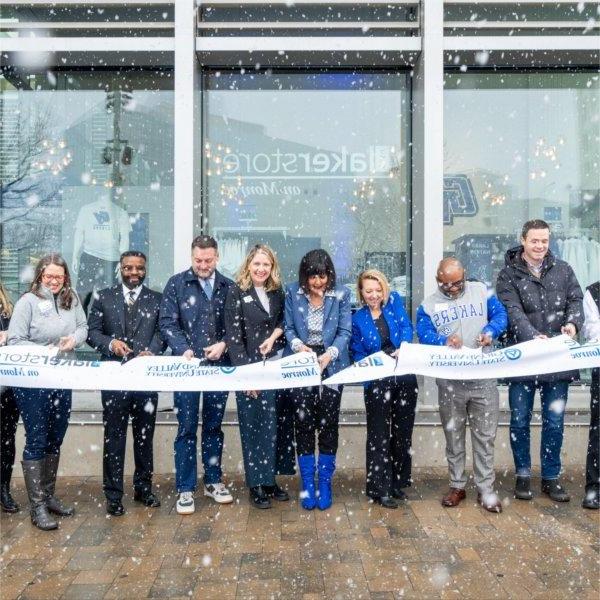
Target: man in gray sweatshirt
462, 313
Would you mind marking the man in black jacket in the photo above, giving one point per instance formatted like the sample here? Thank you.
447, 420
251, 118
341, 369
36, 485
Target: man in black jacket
123, 324
543, 299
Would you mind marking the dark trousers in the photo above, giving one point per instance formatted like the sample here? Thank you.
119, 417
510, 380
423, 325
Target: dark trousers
9, 417
45, 415
118, 407
390, 405
258, 432
317, 412
187, 405
286, 456
592, 472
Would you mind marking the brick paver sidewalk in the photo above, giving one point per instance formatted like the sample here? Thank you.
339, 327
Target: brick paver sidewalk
355, 550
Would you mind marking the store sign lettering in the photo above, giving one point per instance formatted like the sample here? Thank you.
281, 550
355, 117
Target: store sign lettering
459, 198
377, 161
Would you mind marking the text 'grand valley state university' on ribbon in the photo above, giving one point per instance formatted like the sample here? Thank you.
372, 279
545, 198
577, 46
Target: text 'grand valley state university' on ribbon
40, 367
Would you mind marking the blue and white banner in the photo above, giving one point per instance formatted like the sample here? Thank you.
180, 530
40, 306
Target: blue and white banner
41, 367
531, 358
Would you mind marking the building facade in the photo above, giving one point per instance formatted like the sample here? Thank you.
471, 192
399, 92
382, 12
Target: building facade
389, 133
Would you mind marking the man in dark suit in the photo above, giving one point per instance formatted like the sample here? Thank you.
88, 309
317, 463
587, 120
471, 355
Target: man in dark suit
123, 324
191, 322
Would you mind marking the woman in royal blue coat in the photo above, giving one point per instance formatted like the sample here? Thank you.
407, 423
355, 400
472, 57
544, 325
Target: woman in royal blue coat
318, 319
382, 324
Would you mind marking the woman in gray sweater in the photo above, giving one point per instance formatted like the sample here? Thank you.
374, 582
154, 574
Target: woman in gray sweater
50, 314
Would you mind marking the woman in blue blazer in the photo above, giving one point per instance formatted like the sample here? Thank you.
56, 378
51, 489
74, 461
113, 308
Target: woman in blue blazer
318, 319
382, 324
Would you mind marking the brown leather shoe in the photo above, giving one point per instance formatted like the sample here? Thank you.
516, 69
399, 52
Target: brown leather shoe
490, 502
454, 497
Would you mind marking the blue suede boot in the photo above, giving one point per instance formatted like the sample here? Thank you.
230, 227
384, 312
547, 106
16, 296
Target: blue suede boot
307, 474
326, 470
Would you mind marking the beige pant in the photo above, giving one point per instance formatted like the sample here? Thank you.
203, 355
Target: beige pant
479, 403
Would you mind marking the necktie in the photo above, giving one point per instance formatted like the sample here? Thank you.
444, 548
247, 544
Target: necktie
208, 290
130, 298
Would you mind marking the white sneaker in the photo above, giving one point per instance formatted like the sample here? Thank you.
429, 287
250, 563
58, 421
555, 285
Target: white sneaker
185, 503
218, 492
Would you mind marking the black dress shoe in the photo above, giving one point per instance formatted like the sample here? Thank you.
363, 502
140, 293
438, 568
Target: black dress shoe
386, 501
259, 497
115, 508
555, 490
591, 500
148, 499
400, 495
7, 501
275, 492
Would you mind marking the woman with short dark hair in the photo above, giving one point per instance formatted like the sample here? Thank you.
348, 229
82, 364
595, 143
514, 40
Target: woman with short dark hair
318, 319
50, 314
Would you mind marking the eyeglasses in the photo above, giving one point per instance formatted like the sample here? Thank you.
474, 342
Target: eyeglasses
128, 268
57, 278
451, 284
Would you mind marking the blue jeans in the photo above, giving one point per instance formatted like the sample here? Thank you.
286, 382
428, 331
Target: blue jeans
187, 405
45, 414
553, 397
258, 432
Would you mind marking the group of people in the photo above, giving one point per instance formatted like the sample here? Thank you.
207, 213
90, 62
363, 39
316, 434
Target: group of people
203, 314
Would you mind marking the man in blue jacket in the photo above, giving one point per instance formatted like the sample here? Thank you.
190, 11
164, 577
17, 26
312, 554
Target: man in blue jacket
462, 313
191, 322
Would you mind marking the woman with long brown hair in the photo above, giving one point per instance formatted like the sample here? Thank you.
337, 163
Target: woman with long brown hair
9, 416
50, 314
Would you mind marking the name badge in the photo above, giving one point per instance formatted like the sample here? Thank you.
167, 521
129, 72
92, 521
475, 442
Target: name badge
248, 298
45, 307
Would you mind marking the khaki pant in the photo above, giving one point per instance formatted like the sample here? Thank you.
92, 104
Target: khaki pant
479, 402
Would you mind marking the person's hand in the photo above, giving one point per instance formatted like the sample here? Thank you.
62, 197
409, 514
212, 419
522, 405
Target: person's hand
188, 354
454, 341
484, 339
3, 337
66, 343
304, 348
540, 336
569, 329
266, 346
215, 351
120, 348
324, 360
145, 353
252, 393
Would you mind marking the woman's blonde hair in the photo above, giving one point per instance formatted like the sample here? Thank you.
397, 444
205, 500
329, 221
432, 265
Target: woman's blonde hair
377, 276
244, 280
6, 306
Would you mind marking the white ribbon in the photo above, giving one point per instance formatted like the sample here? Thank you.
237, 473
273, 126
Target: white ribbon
535, 357
40, 367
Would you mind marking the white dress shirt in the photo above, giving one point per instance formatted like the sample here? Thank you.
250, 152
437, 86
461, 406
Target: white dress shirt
591, 327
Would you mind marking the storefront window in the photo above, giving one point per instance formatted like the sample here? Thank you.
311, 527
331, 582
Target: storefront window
86, 163
517, 147
309, 160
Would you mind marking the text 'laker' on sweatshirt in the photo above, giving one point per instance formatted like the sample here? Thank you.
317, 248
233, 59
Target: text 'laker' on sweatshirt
474, 312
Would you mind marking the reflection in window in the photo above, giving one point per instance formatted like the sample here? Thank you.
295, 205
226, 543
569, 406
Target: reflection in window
517, 147
308, 160
86, 162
